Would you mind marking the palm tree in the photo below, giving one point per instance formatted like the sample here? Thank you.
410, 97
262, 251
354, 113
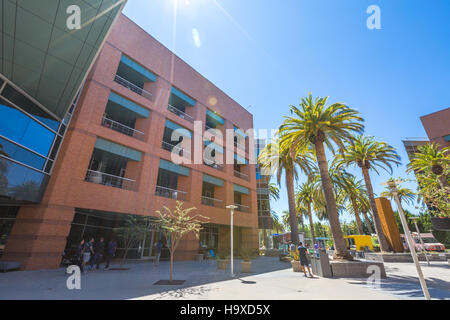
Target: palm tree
277, 160
369, 154
277, 226
404, 194
354, 190
312, 125
274, 191
305, 196
431, 158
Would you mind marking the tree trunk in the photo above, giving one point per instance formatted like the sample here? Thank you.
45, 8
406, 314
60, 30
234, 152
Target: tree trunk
171, 266
384, 246
369, 224
443, 181
341, 251
313, 237
292, 210
302, 223
356, 211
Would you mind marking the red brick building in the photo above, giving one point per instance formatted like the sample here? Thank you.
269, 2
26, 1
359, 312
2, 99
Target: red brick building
116, 157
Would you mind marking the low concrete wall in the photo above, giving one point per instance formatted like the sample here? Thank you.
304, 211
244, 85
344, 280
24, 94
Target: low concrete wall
403, 257
355, 269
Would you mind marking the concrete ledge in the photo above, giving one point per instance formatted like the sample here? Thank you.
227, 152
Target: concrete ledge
355, 269
403, 257
9, 265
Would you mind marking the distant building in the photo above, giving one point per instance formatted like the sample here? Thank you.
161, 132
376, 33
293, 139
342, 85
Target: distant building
437, 127
265, 224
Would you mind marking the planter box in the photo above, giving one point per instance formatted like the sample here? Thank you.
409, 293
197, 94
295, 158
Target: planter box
441, 224
246, 266
296, 266
222, 264
355, 269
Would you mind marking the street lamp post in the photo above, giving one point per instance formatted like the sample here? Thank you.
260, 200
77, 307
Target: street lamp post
393, 186
414, 219
231, 207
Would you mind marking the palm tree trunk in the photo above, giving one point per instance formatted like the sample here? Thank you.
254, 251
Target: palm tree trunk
384, 246
443, 181
369, 224
341, 251
358, 220
302, 223
293, 222
313, 237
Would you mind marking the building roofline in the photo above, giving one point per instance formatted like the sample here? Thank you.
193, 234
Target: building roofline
146, 32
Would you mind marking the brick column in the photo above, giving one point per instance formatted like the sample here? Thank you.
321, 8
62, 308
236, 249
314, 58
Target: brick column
38, 237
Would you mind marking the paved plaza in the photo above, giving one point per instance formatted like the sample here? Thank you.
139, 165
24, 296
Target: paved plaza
271, 279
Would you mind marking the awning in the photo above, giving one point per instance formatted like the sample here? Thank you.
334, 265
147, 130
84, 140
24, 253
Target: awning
113, 97
239, 132
149, 76
240, 189
213, 180
183, 131
215, 117
240, 160
191, 102
118, 149
172, 167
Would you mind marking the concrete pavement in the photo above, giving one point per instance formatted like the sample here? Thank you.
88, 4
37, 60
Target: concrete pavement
271, 279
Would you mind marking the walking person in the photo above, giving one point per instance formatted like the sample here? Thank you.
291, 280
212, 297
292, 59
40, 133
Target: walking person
110, 252
99, 251
302, 252
88, 251
79, 255
158, 252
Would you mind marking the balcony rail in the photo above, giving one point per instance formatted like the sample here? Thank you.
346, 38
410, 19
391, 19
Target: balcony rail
241, 175
133, 87
242, 208
117, 126
180, 151
170, 193
239, 146
110, 180
212, 202
180, 113
215, 166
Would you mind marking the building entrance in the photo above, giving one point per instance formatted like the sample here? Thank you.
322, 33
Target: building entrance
89, 224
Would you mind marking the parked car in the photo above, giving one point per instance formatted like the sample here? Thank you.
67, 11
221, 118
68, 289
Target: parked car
429, 243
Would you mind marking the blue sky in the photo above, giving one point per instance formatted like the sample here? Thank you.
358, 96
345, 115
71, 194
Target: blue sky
267, 54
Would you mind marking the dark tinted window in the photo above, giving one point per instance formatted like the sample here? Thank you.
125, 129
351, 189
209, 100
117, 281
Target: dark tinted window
22, 102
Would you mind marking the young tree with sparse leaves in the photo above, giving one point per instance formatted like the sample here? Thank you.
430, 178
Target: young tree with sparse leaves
177, 223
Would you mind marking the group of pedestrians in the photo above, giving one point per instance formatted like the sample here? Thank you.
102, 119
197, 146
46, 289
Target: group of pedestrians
94, 252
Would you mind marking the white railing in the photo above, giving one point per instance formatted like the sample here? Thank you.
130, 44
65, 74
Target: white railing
170, 193
239, 146
214, 165
212, 202
133, 87
179, 151
240, 175
180, 113
242, 208
119, 127
110, 180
